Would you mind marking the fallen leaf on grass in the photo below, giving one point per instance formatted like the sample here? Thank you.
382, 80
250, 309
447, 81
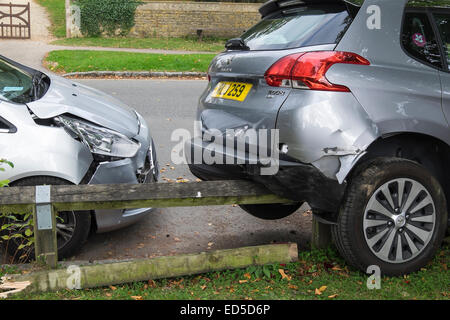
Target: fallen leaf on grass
243, 281
320, 290
137, 297
284, 275
333, 296
336, 268
247, 275
112, 288
294, 287
176, 283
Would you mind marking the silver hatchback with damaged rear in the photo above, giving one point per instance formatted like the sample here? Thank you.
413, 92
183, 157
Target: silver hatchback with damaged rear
357, 93
56, 131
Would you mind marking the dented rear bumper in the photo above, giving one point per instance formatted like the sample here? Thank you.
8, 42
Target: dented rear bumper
329, 130
298, 182
324, 134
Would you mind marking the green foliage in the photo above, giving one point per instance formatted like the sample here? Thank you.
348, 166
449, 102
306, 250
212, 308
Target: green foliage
17, 228
4, 183
319, 269
208, 44
57, 14
85, 60
429, 3
107, 16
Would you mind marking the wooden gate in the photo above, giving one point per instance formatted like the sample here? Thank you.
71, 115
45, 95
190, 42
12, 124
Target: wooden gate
15, 21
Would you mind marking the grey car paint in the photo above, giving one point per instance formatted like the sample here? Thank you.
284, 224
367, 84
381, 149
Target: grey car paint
333, 130
38, 150
445, 82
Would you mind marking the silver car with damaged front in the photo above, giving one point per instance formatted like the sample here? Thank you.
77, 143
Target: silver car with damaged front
57, 131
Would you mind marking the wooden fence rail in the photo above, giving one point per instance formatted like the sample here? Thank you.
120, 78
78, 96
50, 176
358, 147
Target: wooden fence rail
45, 201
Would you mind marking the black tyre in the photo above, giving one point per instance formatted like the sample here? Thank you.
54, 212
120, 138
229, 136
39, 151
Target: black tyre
393, 216
270, 211
72, 227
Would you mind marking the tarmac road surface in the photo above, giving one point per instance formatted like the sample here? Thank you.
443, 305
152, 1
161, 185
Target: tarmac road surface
168, 105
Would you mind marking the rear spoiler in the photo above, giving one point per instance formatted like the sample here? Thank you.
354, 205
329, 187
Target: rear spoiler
275, 5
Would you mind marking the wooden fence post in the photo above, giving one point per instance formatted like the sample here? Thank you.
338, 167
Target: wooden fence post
321, 234
45, 244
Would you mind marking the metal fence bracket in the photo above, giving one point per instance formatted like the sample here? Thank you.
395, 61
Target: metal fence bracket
43, 208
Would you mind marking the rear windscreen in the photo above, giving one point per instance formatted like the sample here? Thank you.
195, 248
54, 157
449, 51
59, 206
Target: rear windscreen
299, 27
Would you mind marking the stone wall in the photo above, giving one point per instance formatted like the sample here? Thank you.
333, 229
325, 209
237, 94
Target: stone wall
179, 19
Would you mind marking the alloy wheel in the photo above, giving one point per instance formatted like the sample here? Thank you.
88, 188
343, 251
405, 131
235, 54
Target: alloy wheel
65, 227
399, 220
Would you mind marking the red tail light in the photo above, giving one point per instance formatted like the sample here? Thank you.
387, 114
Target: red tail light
307, 70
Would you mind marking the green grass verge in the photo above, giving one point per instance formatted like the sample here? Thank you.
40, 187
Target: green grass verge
65, 61
57, 14
316, 271
184, 44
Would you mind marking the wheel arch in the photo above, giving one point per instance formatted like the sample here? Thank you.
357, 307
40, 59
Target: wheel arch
69, 179
429, 151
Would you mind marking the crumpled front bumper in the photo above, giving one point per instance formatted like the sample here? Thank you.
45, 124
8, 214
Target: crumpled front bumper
143, 168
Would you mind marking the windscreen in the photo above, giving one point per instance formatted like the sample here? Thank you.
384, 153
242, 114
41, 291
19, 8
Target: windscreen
15, 84
299, 27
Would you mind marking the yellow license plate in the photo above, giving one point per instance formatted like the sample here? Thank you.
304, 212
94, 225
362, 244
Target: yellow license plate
232, 90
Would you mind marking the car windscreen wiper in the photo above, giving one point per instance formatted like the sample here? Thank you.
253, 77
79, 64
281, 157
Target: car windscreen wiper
236, 44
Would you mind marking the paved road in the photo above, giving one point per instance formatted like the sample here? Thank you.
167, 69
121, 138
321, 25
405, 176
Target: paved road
168, 105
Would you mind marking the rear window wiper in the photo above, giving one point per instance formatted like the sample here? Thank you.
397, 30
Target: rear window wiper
236, 44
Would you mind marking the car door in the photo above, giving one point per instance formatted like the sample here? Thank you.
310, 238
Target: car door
441, 18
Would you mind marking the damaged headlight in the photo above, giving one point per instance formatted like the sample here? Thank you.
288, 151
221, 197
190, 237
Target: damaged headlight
99, 140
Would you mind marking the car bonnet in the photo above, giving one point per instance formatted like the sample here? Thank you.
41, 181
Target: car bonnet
68, 97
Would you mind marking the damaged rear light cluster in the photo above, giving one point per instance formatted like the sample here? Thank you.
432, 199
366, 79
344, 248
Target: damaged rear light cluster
307, 70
